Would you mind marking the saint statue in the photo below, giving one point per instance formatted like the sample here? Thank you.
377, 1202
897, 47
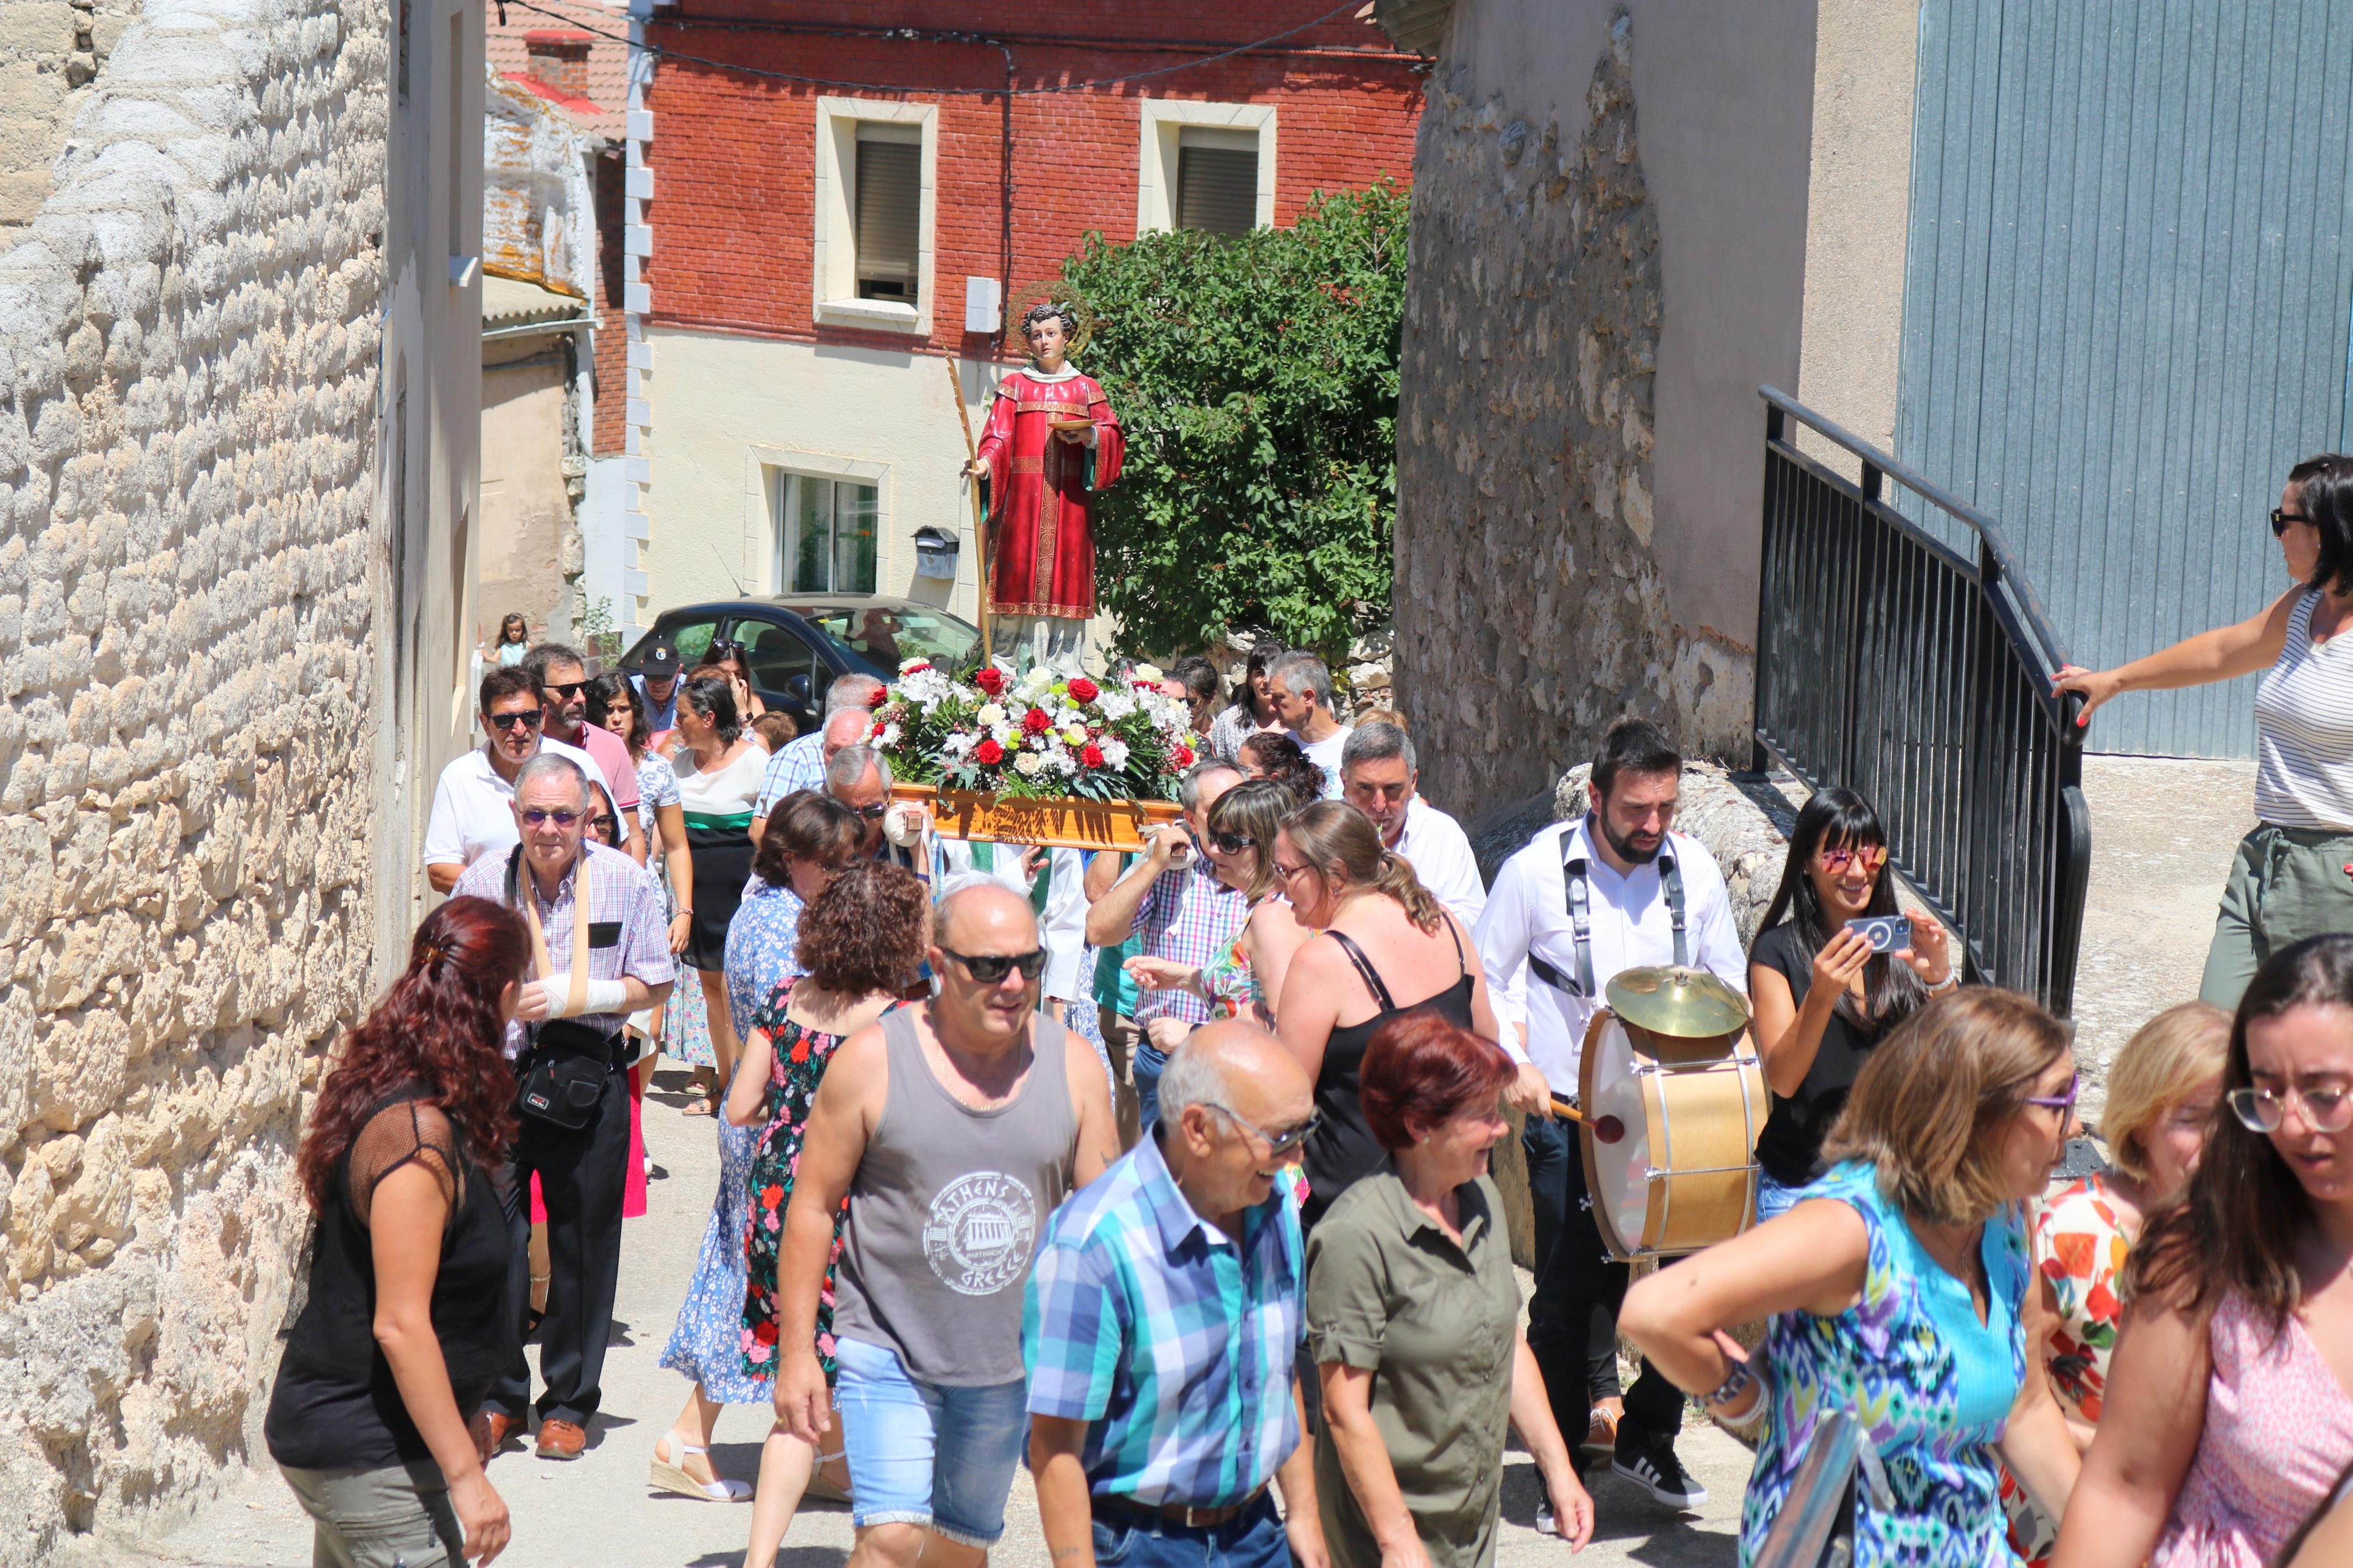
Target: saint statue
1051, 443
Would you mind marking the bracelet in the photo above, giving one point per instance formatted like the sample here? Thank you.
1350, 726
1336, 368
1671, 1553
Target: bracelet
1951, 982
1736, 1378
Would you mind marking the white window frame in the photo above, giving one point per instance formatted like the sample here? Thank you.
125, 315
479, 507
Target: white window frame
763, 467
1165, 120
835, 273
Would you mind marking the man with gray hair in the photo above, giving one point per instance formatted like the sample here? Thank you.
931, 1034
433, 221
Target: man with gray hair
802, 763
1377, 776
1300, 685
600, 951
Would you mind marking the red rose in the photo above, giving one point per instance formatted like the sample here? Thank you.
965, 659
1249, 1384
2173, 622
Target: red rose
1035, 722
1091, 755
879, 725
1182, 756
881, 694
990, 678
1085, 690
989, 754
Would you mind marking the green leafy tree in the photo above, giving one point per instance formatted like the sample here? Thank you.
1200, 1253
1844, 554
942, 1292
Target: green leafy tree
1257, 378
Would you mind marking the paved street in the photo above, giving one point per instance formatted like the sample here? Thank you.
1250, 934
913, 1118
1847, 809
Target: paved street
597, 1510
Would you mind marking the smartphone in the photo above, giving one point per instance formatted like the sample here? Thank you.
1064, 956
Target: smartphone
1884, 933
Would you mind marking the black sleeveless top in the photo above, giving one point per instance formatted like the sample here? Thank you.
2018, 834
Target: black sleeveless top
335, 1406
1344, 1148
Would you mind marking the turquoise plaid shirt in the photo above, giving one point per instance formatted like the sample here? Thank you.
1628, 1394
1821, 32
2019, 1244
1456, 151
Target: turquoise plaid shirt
1175, 1346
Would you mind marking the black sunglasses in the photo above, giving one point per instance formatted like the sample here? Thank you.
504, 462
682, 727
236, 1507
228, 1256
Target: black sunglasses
540, 818
529, 719
722, 649
991, 968
603, 824
1232, 843
568, 691
2281, 518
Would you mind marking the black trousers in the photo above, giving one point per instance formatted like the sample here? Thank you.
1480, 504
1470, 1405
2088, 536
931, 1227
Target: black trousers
1573, 1316
582, 1176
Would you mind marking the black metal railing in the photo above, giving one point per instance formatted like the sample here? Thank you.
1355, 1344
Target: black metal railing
1895, 665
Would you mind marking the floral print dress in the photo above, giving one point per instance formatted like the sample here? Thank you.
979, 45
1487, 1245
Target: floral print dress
1931, 1384
798, 1062
2080, 1246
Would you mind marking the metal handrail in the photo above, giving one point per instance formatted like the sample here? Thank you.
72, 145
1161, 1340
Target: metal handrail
1815, 1528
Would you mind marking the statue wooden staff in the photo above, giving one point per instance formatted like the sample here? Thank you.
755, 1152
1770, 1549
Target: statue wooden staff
979, 511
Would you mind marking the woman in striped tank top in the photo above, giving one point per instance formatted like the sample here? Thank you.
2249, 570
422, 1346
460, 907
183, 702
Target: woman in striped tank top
2293, 877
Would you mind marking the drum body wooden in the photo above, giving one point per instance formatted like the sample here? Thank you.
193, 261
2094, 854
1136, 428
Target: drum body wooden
1683, 1176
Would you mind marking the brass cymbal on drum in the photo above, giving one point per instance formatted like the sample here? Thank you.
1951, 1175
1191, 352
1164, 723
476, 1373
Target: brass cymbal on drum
1677, 1001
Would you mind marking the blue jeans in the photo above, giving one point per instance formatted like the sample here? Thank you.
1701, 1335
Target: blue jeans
925, 1453
1773, 1199
1146, 1067
1254, 1540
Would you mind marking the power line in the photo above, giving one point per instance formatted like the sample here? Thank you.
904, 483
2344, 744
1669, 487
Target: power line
658, 52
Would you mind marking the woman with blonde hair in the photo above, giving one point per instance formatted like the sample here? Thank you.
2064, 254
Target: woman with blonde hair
1248, 977
1384, 947
1897, 1289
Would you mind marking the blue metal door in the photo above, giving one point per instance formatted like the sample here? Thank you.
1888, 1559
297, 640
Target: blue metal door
2125, 307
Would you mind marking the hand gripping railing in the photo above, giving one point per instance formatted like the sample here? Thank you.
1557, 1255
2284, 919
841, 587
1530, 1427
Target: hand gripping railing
1815, 1528
1891, 664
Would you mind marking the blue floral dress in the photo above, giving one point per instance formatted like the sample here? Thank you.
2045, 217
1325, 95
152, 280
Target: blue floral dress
703, 1344
1931, 1383
761, 943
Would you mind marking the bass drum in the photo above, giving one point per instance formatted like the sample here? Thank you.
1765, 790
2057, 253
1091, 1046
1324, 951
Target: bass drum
1682, 1176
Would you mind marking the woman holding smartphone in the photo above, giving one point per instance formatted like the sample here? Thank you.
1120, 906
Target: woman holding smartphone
1823, 997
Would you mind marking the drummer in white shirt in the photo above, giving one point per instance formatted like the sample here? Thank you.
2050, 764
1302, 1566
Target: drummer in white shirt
1378, 777
1647, 896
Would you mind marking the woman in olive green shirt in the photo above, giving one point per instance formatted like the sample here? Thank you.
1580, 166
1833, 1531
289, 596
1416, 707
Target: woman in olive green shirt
1413, 1319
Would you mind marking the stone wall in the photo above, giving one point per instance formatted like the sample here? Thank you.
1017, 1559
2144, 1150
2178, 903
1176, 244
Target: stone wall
50, 52
188, 351
1531, 608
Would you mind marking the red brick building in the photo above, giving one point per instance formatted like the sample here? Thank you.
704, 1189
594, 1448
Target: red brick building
834, 184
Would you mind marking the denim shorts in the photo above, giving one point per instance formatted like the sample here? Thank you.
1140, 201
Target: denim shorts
924, 1454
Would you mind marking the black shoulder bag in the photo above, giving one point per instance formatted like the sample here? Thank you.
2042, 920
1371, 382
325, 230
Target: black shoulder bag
564, 1065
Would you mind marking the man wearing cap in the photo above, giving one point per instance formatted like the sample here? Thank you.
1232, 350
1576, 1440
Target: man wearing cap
473, 806
656, 679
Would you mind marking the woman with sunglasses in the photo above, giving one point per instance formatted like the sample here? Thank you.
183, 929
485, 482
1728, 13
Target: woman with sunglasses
1249, 976
718, 773
730, 656
1823, 998
2289, 879
2228, 1419
1898, 1289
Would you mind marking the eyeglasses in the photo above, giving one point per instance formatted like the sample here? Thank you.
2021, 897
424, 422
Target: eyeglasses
1871, 858
567, 691
991, 968
2265, 1109
1232, 843
2282, 518
603, 824
1277, 1143
529, 719
1288, 872
872, 812
538, 818
2059, 1102
725, 647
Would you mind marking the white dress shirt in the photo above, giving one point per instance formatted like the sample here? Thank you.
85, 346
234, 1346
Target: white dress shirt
1527, 912
473, 809
1440, 852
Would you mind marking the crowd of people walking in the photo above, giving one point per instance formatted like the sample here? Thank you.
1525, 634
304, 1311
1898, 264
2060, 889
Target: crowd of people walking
1173, 1172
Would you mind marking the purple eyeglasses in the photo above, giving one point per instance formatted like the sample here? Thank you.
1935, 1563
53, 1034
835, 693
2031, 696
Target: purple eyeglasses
2060, 1102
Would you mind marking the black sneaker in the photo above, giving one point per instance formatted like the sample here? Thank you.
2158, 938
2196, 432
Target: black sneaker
1657, 1471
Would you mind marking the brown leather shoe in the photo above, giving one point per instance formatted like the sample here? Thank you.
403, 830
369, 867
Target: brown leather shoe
561, 1440
489, 1430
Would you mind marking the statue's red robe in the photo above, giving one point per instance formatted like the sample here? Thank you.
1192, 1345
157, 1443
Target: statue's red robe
1041, 521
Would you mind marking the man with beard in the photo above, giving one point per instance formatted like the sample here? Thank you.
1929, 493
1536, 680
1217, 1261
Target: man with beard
1615, 890
564, 692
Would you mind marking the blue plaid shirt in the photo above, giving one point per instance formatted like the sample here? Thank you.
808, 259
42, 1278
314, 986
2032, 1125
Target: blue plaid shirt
1190, 916
799, 764
1175, 1346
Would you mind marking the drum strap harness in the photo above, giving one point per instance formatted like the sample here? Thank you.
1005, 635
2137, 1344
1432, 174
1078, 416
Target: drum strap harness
1573, 868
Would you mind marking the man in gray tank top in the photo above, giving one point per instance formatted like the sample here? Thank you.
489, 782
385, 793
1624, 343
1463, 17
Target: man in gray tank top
954, 1128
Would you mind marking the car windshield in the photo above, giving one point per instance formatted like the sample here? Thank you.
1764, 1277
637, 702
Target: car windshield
889, 637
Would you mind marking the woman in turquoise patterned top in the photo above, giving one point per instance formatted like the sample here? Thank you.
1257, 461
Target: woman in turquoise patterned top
1898, 1291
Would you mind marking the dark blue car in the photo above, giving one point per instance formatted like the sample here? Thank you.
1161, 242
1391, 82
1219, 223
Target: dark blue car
796, 645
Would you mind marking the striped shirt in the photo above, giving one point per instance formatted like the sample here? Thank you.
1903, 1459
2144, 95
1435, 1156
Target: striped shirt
799, 764
1191, 917
628, 934
2304, 729
1172, 1343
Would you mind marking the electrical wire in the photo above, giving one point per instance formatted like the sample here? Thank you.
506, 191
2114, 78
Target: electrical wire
659, 52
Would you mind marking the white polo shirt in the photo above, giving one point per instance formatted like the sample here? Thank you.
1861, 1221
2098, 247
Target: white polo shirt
1527, 912
1440, 852
1325, 754
473, 809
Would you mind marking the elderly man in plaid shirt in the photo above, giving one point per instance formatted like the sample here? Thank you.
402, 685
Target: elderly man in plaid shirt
1161, 1326
1173, 897
560, 881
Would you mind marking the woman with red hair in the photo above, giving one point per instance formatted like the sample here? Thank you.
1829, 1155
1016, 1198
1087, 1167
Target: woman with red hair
1413, 1317
410, 1315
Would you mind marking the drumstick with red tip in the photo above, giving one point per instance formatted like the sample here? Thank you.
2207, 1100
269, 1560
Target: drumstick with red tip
1606, 1128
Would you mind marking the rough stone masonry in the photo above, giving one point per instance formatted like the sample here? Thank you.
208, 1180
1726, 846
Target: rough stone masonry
188, 348
1530, 607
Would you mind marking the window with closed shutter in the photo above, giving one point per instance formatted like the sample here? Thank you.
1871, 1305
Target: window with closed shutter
1216, 180
889, 193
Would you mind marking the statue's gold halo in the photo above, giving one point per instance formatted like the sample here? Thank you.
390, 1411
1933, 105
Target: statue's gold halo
1061, 293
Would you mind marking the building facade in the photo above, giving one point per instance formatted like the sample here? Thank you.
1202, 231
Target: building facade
819, 251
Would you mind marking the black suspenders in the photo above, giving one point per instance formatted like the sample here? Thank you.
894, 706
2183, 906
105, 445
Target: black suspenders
1573, 869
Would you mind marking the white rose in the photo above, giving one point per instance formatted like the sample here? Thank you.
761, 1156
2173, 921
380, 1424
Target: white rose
1075, 734
991, 714
1027, 764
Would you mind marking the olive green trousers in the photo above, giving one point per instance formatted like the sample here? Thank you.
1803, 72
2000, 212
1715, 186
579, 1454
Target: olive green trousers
2287, 884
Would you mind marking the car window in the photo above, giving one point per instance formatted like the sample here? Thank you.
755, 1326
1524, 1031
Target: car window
692, 640
781, 659
890, 638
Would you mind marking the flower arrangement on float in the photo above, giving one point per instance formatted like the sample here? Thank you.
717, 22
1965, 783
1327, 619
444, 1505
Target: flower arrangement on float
1041, 736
